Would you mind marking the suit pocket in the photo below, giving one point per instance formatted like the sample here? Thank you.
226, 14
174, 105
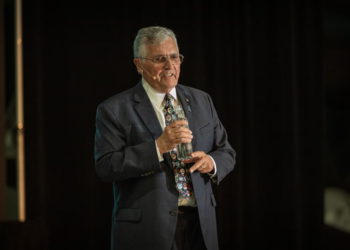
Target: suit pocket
128, 214
205, 129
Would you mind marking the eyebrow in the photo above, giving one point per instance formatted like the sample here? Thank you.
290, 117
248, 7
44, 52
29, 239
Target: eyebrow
175, 53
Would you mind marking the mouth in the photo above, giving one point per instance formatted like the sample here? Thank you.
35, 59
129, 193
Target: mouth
169, 75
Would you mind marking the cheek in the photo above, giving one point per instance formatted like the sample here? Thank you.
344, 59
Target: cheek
151, 69
178, 69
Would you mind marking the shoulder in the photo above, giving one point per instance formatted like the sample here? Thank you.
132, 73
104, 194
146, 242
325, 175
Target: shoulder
193, 91
122, 98
194, 94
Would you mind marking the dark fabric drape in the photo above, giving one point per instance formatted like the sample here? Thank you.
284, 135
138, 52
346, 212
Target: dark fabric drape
275, 99
259, 60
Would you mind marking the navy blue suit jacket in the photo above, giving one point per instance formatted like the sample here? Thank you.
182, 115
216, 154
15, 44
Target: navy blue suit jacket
144, 188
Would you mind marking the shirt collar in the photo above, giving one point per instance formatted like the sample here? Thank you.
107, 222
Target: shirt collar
156, 97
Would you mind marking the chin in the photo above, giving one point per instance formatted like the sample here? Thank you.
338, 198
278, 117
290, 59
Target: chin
170, 84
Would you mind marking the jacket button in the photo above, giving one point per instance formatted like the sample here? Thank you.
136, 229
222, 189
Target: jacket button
173, 212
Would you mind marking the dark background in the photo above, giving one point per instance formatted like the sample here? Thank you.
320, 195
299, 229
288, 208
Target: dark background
278, 75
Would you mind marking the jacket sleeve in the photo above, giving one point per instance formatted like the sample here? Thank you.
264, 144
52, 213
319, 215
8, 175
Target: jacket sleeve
223, 154
115, 159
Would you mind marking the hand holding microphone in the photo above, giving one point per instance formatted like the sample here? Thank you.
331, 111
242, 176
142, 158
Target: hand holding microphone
175, 134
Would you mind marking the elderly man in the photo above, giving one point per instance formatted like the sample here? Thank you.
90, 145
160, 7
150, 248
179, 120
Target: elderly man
161, 201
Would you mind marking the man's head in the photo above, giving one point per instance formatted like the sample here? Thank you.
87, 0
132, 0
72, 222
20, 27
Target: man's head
157, 58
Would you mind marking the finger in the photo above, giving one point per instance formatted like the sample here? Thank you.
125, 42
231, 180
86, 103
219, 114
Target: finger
203, 169
178, 131
191, 160
195, 156
179, 123
184, 138
177, 139
198, 154
181, 129
182, 132
197, 165
207, 166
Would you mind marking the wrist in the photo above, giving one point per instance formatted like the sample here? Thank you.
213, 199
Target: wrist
160, 147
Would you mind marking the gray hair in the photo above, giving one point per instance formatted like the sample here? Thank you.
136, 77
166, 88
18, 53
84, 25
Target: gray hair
151, 35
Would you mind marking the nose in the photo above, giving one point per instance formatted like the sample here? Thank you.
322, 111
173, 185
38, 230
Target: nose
168, 63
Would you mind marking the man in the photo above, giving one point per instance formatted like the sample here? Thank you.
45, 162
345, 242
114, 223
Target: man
161, 202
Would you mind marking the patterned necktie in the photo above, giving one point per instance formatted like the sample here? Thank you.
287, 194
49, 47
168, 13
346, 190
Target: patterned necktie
182, 176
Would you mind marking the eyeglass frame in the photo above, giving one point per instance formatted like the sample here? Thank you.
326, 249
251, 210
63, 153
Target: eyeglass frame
168, 57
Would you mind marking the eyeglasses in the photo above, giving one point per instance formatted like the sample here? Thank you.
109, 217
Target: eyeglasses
162, 59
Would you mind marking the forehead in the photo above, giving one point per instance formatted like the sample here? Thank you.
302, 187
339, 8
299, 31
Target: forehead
168, 46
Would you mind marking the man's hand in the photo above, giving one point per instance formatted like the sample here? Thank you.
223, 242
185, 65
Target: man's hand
174, 134
203, 163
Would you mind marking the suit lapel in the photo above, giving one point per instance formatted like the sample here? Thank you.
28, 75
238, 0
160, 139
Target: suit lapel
185, 99
144, 108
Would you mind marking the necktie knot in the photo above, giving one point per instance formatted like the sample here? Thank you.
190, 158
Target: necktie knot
168, 100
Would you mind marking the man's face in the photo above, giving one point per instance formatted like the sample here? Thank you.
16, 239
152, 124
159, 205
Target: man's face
161, 76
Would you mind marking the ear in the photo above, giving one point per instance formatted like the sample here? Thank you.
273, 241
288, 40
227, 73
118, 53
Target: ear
138, 65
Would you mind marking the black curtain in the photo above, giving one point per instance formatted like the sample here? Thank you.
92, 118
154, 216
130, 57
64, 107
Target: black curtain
261, 61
